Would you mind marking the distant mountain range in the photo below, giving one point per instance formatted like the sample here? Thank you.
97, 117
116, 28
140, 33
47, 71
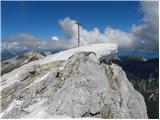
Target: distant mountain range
141, 67
142, 72
139, 53
8, 53
144, 75
17, 61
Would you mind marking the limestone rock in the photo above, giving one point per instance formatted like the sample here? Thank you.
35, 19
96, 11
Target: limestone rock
17, 61
77, 87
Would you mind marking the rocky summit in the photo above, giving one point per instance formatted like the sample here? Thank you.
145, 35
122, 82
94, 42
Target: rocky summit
9, 64
75, 84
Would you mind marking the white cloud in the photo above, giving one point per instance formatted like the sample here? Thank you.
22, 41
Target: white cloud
123, 39
24, 40
110, 35
55, 38
143, 36
148, 31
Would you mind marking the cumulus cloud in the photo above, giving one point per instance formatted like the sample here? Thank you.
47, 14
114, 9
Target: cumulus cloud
148, 31
55, 38
25, 41
110, 35
143, 36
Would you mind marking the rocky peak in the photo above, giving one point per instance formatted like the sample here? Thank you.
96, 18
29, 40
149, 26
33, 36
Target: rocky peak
76, 87
35, 54
17, 61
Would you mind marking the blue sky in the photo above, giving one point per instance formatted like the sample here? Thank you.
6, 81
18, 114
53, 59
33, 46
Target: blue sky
34, 24
41, 18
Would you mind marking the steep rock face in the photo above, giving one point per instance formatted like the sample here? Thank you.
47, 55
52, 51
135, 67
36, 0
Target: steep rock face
83, 88
15, 62
144, 75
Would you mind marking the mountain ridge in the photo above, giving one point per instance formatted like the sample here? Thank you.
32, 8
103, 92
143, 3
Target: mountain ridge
75, 85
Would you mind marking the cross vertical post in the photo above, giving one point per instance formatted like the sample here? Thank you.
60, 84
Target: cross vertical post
78, 33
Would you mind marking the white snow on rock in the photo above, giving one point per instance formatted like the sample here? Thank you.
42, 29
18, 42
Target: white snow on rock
36, 109
14, 103
39, 80
98, 49
85, 87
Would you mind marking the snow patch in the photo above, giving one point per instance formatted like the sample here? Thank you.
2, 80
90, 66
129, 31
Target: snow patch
37, 110
13, 104
39, 80
100, 50
36, 106
7, 83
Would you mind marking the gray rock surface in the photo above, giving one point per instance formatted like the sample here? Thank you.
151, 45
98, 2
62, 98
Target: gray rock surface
17, 61
78, 87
